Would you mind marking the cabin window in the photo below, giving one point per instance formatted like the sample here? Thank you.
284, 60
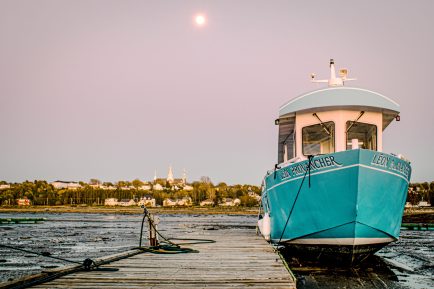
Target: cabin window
319, 138
361, 135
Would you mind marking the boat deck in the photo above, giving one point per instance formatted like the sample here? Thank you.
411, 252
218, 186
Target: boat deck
237, 259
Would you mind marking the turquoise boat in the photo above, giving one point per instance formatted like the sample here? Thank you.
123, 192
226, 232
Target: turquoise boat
334, 193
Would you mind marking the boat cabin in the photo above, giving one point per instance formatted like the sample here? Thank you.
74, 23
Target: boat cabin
334, 119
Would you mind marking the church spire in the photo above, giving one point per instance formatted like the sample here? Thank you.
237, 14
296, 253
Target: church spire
184, 177
170, 178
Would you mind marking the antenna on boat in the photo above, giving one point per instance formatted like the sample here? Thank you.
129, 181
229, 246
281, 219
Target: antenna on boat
333, 81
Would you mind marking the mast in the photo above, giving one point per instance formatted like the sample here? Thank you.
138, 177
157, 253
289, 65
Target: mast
333, 81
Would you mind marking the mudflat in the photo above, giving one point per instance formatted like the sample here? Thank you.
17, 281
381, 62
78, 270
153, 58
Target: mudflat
413, 215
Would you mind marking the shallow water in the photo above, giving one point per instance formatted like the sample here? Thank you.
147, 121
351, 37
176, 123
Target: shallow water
408, 263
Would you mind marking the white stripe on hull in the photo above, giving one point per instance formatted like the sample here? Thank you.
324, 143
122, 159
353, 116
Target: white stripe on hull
340, 241
337, 169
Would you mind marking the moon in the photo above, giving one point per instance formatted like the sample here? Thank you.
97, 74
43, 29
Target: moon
200, 20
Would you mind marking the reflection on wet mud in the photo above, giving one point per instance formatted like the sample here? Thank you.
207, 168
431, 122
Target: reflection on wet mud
372, 273
407, 263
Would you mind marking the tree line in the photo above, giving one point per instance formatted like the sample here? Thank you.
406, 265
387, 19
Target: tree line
40, 192
421, 191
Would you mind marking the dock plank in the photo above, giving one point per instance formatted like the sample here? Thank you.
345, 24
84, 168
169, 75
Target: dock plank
237, 259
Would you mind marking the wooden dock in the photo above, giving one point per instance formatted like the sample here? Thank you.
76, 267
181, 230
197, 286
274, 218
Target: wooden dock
237, 259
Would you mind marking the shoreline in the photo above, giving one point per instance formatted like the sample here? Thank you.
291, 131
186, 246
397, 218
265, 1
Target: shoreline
413, 215
132, 210
419, 215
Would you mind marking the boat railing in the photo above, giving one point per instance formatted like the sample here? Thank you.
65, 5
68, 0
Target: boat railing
285, 164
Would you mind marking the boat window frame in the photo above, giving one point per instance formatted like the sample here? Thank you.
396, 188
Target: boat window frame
321, 124
346, 134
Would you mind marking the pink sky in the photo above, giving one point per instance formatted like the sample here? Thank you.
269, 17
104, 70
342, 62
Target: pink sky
115, 89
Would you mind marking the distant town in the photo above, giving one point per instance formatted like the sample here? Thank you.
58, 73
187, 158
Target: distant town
160, 192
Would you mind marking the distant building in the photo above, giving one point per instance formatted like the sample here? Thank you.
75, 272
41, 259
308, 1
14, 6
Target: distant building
169, 203
147, 201
4, 187
103, 187
178, 182
145, 187
184, 202
115, 202
65, 185
170, 178
188, 188
157, 187
184, 177
97, 186
228, 202
126, 202
255, 196
23, 202
110, 202
423, 204
207, 202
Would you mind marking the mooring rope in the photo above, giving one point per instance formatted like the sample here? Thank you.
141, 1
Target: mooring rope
169, 247
310, 157
87, 263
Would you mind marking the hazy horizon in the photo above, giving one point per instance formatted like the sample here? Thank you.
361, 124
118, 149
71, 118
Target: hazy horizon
113, 90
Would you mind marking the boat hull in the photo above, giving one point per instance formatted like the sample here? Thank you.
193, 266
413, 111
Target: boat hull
353, 206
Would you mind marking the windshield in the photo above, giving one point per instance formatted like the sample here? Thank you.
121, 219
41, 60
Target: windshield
362, 134
319, 138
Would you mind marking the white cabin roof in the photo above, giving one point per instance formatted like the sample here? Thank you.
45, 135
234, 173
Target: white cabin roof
331, 99
342, 98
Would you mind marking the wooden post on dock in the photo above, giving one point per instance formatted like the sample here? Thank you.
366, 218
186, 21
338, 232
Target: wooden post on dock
153, 241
